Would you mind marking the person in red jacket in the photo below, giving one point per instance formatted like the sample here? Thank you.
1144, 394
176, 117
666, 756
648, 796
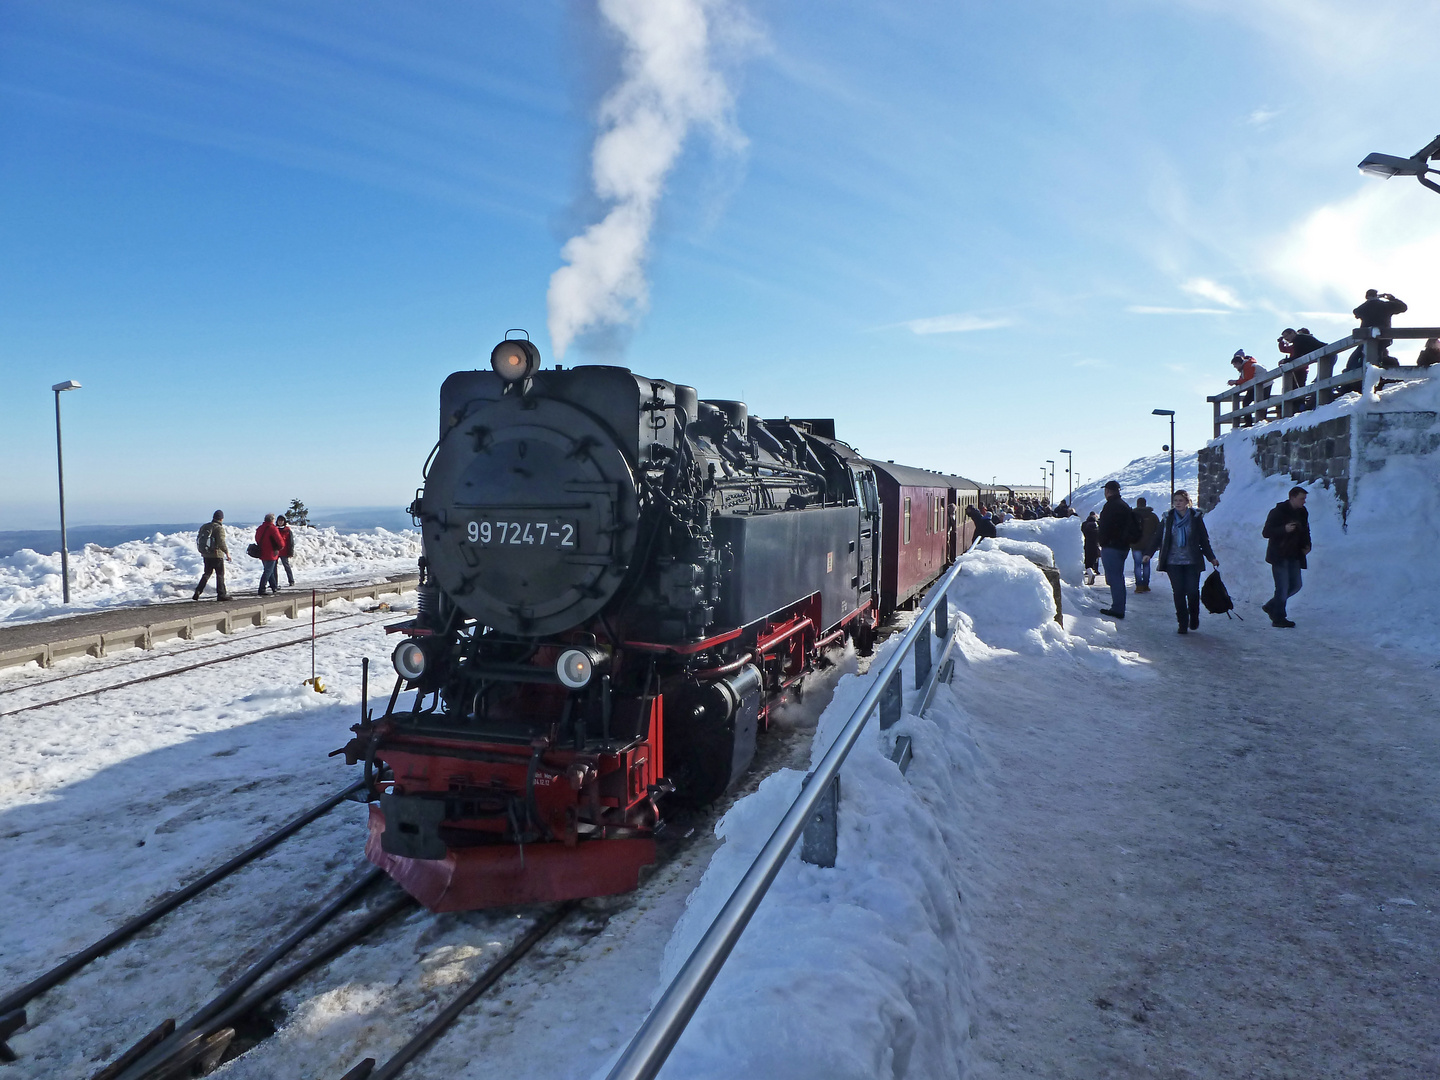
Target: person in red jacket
287, 548
267, 539
1247, 369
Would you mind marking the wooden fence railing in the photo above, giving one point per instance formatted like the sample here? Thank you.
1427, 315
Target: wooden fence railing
1256, 399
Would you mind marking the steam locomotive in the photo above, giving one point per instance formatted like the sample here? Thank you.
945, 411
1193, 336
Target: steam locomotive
619, 581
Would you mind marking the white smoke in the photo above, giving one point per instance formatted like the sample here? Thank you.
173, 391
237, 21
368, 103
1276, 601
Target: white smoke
669, 84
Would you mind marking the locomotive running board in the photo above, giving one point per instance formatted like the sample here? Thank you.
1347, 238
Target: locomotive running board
495, 876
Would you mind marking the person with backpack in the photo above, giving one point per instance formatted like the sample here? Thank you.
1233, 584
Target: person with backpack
287, 547
210, 542
1116, 529
1184, 544
1287, 527
1149, 523
269, 545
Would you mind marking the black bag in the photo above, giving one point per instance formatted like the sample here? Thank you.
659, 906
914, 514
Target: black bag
206, 540
253, 551
1215, 597
1133, 529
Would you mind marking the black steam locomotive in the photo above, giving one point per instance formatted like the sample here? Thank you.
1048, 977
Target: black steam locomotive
619, 579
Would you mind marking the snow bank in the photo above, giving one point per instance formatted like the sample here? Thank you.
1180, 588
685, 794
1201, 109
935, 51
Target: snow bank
865, 970
1061, 536
167, 566
1374, 573
1146, 476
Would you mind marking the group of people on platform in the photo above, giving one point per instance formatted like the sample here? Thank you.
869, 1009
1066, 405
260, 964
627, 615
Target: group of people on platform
1377, 311
274, 546
1178, 544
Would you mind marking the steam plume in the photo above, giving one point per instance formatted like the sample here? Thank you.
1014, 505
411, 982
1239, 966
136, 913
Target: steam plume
669, 84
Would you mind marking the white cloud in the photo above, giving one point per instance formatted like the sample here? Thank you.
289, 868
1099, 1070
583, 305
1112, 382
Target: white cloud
954, 324
1260, 117
1205, 289
1384, 237
1145, 309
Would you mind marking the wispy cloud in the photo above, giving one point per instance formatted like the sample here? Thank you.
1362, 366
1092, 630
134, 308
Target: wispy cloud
1205, 289
1145, 309
1260, 117
955, 324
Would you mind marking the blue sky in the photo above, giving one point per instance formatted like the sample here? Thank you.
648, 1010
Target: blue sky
261, 234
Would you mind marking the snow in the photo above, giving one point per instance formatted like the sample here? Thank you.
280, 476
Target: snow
167, 567
1147, 477
1059, 536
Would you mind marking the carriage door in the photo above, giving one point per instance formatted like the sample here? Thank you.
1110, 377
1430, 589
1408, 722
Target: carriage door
868, 496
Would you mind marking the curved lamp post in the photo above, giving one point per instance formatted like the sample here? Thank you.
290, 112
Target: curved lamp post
1171, 414
1070, 474
1387, 165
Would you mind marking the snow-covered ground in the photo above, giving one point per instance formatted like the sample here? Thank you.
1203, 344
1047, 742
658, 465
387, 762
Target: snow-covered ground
167, 567
1147, 477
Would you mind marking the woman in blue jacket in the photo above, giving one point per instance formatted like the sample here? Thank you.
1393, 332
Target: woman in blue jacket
1184, 545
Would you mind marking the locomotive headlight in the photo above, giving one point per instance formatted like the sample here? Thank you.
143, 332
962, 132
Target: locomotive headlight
514, 359
409, 660
576, 667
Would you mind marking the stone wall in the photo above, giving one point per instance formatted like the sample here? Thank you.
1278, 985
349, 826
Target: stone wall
1214, 477
1387, 434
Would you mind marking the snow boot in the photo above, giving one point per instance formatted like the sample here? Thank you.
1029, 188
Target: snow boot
1182, 629
1112, 614
1281, 624
1195, 621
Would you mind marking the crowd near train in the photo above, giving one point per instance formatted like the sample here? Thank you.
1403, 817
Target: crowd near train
619, 581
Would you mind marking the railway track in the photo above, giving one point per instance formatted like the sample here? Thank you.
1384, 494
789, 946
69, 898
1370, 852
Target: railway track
156, 657
177, 671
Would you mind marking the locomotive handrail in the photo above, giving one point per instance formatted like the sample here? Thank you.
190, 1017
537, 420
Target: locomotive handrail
661, 1030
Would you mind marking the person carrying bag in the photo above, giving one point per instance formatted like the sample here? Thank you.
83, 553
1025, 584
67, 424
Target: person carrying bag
1183, 544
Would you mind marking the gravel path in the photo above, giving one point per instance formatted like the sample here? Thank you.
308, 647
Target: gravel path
1228, 871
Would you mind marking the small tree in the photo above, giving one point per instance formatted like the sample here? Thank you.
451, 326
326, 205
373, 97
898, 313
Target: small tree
297, 514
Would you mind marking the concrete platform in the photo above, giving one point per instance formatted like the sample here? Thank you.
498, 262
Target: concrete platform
101, 632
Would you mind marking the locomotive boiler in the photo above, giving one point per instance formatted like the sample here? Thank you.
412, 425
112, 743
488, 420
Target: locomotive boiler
618, 581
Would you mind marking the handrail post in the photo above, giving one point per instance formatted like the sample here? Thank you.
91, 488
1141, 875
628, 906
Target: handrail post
1217, 417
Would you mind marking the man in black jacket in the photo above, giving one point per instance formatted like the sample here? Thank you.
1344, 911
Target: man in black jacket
1118, 529
1377, 311
1288, 529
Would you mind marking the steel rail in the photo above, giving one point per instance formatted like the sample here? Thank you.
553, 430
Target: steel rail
488, 978
179, 670
58, 974
153, 656
661, 1030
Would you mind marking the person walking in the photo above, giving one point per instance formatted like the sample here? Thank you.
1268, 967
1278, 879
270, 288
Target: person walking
1115, 531
1287, 527
267, 539
1088, 528
1184, 544
210, 542
287, 548
1149, 524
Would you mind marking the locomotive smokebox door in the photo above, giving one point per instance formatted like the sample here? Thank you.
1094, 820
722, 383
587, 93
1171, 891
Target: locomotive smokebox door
412, 827
529, 515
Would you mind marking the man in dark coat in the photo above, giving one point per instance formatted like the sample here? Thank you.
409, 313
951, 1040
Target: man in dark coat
267, 539
1377, 311
1088, 528
1149, 523
1116, 530
1287, 527
216, 552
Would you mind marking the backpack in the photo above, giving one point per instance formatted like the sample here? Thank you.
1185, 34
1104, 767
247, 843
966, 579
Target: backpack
1215, 597
205, 541
1133, 529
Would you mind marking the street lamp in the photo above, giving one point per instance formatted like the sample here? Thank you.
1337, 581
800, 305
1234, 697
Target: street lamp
1171, 414
1050, 495
1070, 475
1387, 165
68, 384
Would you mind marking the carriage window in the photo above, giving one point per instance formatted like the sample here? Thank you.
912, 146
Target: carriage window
907, 521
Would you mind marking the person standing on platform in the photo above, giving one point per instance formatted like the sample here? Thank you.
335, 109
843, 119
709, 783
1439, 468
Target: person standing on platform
1288, 529
1184, 544
1115, 531
267, 539
1088, 529
210, 541
1139, 551
287, 548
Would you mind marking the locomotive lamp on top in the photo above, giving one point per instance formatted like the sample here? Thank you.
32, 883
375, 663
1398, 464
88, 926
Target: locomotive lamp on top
515, 359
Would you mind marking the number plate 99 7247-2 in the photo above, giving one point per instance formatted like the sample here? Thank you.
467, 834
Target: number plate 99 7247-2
521, 532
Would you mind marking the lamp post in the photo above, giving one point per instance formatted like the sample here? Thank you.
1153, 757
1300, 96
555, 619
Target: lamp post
1050, 495
1171, 414
1387, 165
1070, 476
58, 388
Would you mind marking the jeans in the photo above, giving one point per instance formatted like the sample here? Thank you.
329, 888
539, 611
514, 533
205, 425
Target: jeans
289, 575
217, 567
1113, 559
1287, 584
270, 573
1142, 568
1185, 584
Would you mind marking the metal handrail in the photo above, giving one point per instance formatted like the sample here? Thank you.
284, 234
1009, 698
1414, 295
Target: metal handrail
661, 1030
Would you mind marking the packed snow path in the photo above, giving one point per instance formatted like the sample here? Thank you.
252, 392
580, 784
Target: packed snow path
1229, 870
